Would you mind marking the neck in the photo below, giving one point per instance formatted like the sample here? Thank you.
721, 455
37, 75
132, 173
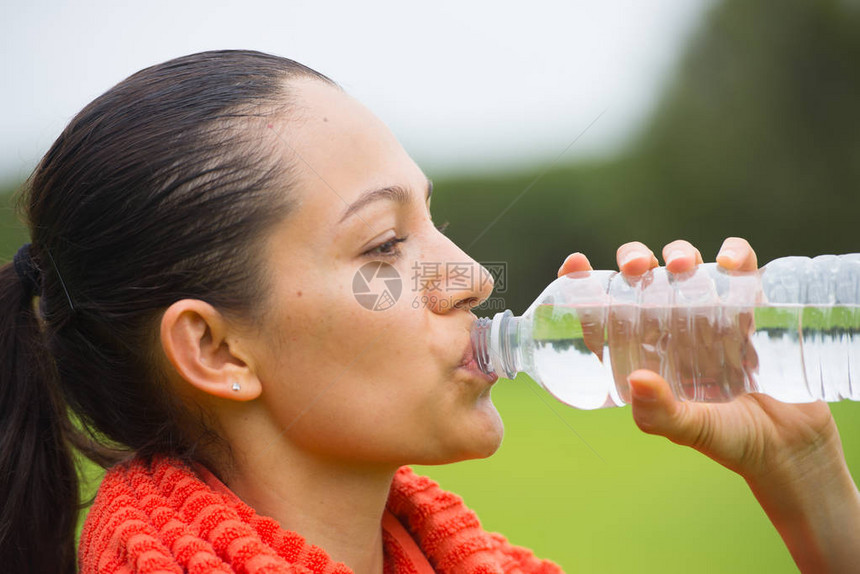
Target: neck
335, 506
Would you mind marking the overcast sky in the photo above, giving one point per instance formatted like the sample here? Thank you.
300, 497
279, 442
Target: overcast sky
464, 85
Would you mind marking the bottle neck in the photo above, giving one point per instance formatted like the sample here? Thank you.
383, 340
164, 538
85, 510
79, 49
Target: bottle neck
495, 343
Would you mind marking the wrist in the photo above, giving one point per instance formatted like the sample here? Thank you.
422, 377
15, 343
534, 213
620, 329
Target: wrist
814, 504
817, 463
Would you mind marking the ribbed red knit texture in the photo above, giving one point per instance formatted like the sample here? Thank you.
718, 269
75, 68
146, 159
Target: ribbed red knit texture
163, 518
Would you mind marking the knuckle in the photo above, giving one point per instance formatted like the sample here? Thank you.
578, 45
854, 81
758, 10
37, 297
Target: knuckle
703, 433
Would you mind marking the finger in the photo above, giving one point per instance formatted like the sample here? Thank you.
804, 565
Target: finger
681, 256
737, 254
574, 262
635, 258
656, 411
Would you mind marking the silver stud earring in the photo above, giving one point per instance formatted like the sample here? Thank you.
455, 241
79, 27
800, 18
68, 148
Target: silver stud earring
236, 386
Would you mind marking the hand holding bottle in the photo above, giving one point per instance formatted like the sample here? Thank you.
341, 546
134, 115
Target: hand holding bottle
789, 454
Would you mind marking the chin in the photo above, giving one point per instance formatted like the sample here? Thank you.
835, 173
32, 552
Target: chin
486, 440
487, 450
493, 441
489, 429
479, 443
477, 434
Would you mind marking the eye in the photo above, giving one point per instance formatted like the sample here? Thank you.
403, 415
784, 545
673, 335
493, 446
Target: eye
386, 250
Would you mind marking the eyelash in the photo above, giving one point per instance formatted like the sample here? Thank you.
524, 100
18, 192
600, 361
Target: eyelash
378, 251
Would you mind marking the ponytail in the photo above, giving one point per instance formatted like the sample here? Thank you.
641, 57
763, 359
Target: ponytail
161, 189
38, 478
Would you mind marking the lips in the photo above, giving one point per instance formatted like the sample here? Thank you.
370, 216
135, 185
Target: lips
469, 364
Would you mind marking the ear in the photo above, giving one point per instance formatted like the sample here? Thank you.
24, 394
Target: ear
206, 351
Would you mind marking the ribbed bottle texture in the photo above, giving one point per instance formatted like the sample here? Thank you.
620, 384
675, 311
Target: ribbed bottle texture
790, 330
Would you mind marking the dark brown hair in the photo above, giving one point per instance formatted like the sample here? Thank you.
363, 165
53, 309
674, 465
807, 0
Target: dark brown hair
160, 189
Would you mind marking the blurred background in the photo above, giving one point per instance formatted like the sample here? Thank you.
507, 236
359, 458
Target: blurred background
547, 128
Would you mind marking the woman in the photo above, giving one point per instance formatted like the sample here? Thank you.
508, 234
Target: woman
195, 234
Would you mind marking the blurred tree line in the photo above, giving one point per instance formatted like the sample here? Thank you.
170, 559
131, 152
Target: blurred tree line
756, 135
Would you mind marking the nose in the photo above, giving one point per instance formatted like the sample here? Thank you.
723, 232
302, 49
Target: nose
450, 279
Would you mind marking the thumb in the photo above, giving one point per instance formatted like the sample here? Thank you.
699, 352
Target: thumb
656, 411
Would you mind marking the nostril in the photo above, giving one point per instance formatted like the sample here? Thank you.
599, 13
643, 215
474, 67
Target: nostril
467, 303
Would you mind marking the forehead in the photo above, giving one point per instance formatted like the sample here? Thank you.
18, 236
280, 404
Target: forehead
339, 149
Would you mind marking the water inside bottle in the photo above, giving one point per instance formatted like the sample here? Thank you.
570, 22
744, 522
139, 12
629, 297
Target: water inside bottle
809, 352
794, 353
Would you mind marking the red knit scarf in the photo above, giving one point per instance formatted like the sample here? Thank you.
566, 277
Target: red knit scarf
164, 517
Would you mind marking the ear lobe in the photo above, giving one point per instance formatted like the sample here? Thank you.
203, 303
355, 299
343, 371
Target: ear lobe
194, 336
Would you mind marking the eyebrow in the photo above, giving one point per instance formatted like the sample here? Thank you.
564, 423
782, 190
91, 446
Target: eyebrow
393, 193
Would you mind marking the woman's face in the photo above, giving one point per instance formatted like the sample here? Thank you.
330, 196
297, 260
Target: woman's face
347, 374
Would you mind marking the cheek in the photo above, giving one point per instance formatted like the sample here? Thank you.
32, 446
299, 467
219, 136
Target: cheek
392, 346
328, 336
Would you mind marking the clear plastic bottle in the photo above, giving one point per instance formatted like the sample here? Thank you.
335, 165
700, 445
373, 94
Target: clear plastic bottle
790, 330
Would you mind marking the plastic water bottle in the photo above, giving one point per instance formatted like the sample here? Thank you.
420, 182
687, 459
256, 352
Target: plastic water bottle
790, 330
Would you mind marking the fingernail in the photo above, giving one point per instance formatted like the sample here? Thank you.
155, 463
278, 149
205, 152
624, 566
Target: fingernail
629, 257
729, 253
566, 259
673, 255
